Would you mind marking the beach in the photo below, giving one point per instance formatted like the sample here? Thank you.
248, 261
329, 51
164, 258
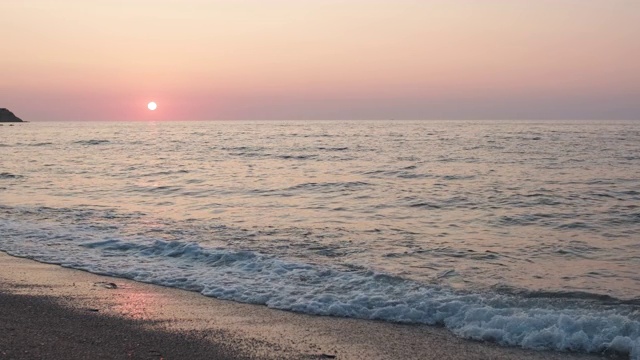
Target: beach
48, 311
320, 180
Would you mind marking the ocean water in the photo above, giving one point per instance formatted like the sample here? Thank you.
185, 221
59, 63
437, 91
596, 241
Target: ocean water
521, 233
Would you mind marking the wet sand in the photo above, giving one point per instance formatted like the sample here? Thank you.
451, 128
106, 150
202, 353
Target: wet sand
47, 311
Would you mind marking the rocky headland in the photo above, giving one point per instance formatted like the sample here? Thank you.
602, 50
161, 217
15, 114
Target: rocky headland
8, 116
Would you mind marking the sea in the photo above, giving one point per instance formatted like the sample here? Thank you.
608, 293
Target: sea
522, 233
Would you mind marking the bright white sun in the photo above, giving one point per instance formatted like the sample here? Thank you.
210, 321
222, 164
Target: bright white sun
152, 106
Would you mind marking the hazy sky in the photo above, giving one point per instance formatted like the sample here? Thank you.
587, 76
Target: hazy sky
320, 59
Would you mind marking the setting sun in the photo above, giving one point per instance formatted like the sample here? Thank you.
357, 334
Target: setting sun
464, 173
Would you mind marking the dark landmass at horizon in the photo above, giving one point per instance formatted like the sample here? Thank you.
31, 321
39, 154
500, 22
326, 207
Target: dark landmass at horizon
8, 116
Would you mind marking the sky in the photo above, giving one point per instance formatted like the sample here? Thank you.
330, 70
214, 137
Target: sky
320, 59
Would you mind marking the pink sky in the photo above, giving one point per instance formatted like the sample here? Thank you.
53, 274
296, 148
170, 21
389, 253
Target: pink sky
321, 59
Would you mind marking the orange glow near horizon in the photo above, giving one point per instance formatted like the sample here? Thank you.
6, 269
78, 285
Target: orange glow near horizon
321, 59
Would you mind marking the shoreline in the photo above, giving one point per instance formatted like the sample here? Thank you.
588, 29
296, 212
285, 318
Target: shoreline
171, 323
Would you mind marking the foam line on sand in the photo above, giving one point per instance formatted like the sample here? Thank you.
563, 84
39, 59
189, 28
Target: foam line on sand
117, 318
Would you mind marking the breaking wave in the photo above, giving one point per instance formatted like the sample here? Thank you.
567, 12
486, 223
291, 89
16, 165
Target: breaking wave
544, 321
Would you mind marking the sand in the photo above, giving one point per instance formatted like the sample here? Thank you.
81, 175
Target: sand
47, 311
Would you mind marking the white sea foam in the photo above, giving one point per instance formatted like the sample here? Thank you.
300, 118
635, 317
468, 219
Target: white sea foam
251, 277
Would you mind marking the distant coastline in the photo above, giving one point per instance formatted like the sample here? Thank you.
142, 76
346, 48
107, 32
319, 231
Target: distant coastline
8, 116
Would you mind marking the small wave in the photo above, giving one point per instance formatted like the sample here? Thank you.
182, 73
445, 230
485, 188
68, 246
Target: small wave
625, 219
167, 172
248, 154
328, 187
91, 142
297, 157
458, 177
243, 148
163, 189
333, 148
405, 173
518, 220
581, 295
574, 225
630, 192
425, 205
6, 175
41, 144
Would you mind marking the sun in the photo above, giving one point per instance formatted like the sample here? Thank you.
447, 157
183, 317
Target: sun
152, 106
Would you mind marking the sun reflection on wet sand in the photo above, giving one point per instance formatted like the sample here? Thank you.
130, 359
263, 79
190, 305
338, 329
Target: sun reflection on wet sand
136, 304
268, 333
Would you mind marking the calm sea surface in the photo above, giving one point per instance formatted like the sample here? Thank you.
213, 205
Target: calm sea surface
523, 233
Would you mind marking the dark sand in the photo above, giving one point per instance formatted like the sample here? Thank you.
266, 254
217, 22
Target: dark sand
47, 311
36, 327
